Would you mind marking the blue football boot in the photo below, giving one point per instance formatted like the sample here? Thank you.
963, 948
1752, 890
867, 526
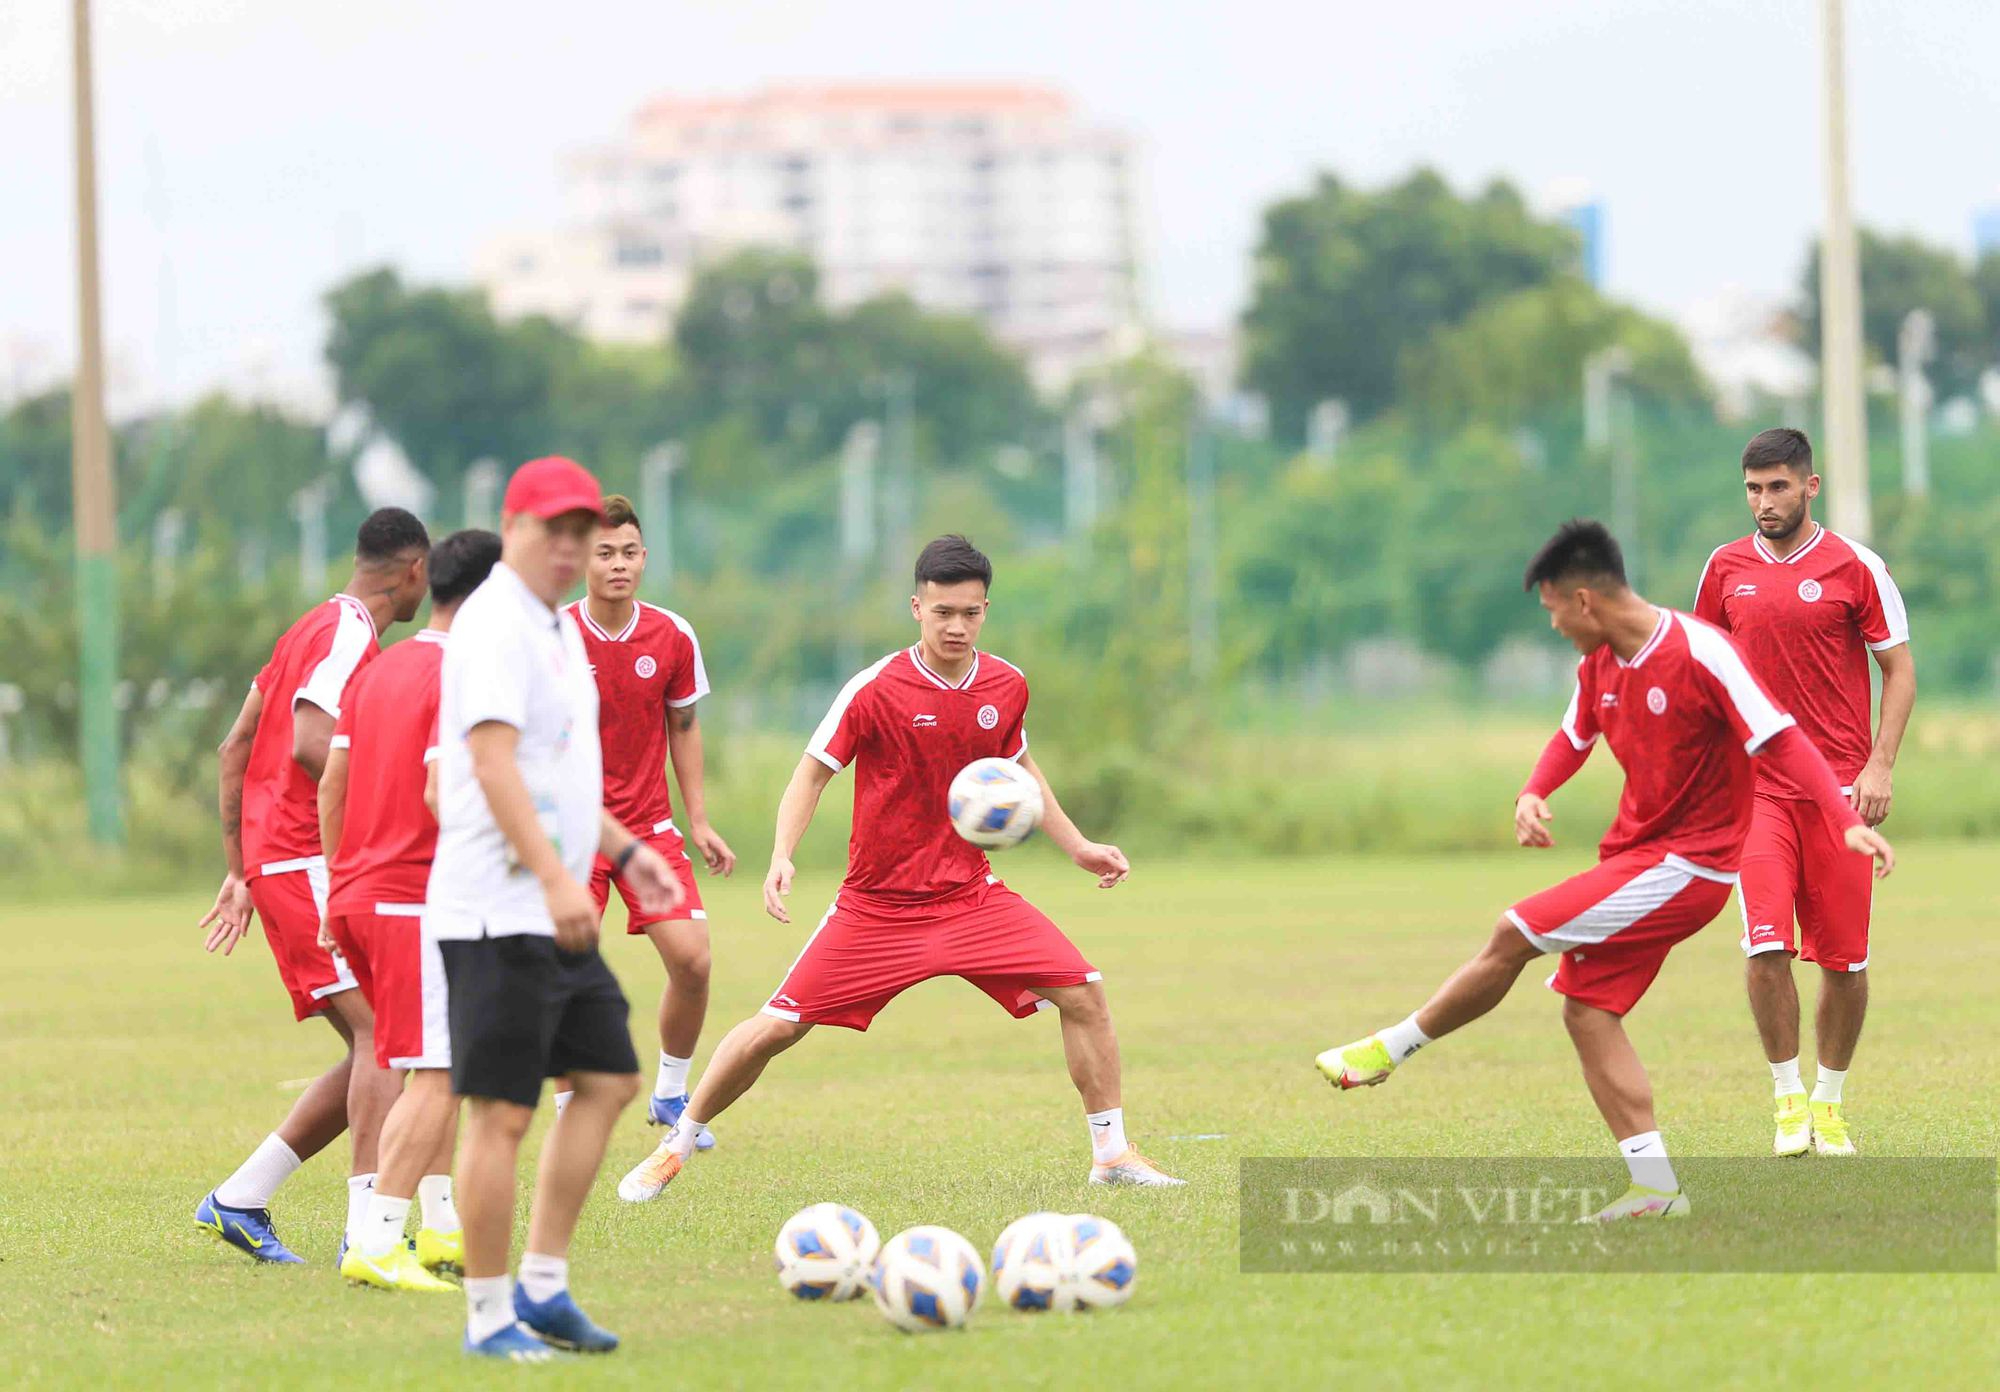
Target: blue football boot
514, 1343
558, 1321
248, 1230
666, 1111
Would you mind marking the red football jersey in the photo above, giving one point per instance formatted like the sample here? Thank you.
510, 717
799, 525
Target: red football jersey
313, 661
1806, 624
1683, 718
908, 732
653, 666
389, 729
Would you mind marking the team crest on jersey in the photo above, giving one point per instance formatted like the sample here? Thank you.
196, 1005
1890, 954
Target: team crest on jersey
989, 716
1656, 701
645, 666
1809, 590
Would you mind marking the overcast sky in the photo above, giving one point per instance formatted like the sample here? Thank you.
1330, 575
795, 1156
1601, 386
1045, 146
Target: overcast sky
262, 150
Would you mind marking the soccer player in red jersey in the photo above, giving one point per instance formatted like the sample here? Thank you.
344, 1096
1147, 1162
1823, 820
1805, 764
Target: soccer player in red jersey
1807, 606
380, 833
649, 676
918, 901
1684, 717
271, 761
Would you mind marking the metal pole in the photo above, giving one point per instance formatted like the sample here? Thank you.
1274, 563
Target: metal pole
857, 529
1916, 344
482, 494
1079, 483
656, 487
899, 445
309, 508
1202, 617
92, 497
1841, 385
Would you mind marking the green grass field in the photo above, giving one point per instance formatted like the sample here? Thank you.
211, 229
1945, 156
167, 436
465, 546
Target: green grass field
140, 1071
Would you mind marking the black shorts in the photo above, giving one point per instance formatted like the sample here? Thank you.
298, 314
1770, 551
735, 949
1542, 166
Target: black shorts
522, 1011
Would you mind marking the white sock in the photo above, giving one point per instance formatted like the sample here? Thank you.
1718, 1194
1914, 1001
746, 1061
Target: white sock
682, 1141
381, 1226
1827, 1089
360, 1188
562, 1101
489, 1306
434, 1193
1646, 1157
1403, 1040
543, 1278
672, 1079
257, 1179
1107, 1135
1785, 1077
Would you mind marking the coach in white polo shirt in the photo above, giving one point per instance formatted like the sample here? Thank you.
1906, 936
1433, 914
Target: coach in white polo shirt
520, 816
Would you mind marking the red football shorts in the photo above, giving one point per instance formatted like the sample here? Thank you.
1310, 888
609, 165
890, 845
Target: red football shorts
1796, 865
670, 846
289, 898
1615, 923
865, 953
402, 975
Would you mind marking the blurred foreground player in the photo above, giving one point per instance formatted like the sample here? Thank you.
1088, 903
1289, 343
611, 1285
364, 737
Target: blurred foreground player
271, 761
1806, 607
380, 834
1683, 716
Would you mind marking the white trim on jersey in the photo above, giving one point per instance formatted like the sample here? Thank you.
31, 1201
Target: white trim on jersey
327, 682
582, 611
701, 687
341, 742
1702, 583
971, 673
1659, 632
435, 997
429, 635
823, 734
1773, 558
1707, 646
1893, 613
1576, 741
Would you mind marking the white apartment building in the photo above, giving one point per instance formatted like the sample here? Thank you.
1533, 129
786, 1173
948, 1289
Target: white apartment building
985, 198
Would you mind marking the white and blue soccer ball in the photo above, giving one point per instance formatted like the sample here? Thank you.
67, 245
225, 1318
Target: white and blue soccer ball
1102, 1264
995, 804
927, 1278
825, 1252
1031, 1264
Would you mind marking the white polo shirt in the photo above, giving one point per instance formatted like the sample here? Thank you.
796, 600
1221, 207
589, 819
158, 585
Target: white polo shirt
512, 659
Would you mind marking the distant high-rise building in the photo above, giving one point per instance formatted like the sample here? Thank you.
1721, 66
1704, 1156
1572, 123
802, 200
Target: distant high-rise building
1986, 229
990, 199
1577, 205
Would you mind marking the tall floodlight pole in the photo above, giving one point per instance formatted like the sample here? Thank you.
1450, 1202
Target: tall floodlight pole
93, 500
1203, 623
656, 489
1916, 345
1841, 387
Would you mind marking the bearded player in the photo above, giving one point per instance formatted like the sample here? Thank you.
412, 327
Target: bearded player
649, 677
1807, 607
1684, 717
918, 901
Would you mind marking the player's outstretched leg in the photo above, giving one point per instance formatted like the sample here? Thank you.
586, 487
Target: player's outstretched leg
1774, 1005
683, 947
1470, 992
1843, 1004
1624, 1096
738, 1062
1090, 1046
238, 1210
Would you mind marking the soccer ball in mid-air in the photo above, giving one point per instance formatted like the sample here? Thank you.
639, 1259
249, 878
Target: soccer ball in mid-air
1102, 1264
995, 803
1031, 1264
825, 1252
927, 1278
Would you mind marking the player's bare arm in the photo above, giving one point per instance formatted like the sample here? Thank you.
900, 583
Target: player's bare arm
684, 750
230, 914
1865, 840
312, 738
795, 814
639, 865
1106, 862
1531, 821
493, 747
332, 797
1874, 785
431, 787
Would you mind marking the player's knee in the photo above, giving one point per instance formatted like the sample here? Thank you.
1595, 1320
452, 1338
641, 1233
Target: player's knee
689, 972
770, 1035
1083, 1005
1509, 944
1583, 1020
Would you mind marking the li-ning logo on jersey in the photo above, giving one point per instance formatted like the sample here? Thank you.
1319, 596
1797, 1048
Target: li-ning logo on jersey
923, 722
1744, 591
1608, 700
1809, 590
1656, 701
989, 716
645, 666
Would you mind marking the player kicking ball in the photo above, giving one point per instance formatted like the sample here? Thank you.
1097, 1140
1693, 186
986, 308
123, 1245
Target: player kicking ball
1684, 716
918, 901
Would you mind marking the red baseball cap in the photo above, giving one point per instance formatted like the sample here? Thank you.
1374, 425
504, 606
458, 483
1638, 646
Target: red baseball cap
551, 487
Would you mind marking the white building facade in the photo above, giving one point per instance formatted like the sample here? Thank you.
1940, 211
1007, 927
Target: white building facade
987, 199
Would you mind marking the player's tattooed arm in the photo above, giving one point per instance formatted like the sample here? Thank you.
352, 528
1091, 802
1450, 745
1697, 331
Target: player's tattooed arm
684, 749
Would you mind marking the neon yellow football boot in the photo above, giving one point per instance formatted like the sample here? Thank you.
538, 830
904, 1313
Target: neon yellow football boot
1364, 1063
1829, 1130
399, 1271
1641, 1202
1794, 1134
441, 1251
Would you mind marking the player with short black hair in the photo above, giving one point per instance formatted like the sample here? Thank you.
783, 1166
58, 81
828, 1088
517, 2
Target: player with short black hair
1809, 607
918, 901
1683, 715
